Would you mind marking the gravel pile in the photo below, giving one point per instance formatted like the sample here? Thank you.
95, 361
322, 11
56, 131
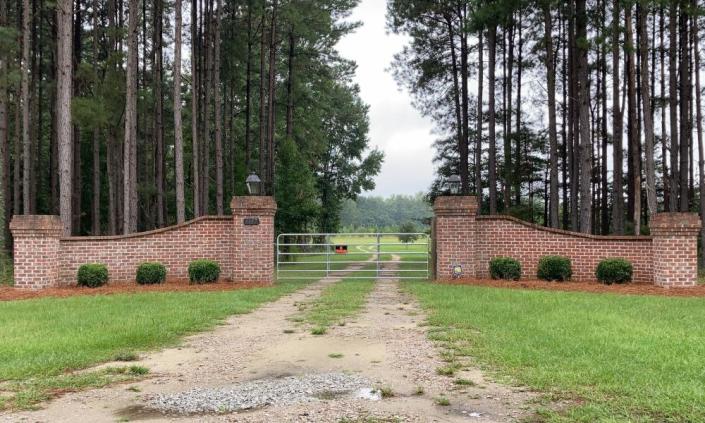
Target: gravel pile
259, 393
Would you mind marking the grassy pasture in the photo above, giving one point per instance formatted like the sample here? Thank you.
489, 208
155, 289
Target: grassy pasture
621, 358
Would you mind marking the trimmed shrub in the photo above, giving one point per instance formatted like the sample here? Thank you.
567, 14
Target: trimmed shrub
150, 273
554, 268
92, 275
614, 270
505, 268
203, 271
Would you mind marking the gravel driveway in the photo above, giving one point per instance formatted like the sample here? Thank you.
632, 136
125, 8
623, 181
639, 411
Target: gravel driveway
250, 370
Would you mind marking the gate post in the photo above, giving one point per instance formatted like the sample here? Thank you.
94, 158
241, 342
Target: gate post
675, 248
454, 236
253, 239
36, 250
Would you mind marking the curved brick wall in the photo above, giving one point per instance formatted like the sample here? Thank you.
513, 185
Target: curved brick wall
508, 236
208, 237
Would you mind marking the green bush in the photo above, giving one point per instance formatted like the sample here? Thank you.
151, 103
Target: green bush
203, 271
614, 270
554, 268
150, 273
92, 275
505, 268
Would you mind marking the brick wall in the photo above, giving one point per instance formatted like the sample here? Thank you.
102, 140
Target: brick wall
203, 238
243, 245
507, 236
461, 237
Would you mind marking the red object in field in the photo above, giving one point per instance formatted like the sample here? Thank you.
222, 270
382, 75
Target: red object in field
341, 249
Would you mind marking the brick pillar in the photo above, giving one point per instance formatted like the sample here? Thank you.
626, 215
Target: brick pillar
454, 236
253, 243
675, 246
36, 250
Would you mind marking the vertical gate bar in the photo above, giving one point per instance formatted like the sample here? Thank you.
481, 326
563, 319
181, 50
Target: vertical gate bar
378, 258
327, 241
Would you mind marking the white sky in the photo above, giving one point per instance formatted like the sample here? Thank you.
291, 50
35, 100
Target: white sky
395, 126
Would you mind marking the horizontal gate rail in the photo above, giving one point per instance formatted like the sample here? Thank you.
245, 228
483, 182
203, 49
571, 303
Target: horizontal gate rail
353, 255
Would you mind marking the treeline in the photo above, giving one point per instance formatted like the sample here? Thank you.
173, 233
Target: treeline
130, 115
581, 114
386, 214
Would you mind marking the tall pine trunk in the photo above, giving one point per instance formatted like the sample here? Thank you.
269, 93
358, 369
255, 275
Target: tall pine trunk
25, 99
218, 115
647, 115
492, 162
196, 180
478, 142
699, 128
458, 105
585, 140
271, 112
463, 147
178, 126
673, 102
4, 151
95, 204
158, 129
632, 117
130, 145
552, 135
684, 108
64, 18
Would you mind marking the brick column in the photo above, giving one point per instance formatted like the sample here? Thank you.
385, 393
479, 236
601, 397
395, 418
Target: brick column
253, 243
675, 246
454, 236
36, 250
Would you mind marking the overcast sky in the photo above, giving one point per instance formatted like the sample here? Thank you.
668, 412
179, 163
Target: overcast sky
395, 126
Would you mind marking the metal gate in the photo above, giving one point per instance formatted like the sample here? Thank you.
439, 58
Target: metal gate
353, 255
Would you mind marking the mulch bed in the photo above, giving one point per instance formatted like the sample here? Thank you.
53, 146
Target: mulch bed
595, 287
9, 293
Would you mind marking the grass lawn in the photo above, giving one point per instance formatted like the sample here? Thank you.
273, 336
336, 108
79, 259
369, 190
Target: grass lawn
43, 339
623, 358
338, 301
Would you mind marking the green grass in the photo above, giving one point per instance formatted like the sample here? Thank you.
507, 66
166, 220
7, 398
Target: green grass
338, 301
623, 358
49, 336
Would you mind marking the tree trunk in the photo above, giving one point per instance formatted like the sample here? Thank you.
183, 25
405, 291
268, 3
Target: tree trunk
552, 135
585, 140
158, 130
478, 142
492, 41
647, 115
664, 133
673, 103
64, 19
194, 110
4, 147
24, 99
248, 91
508, 67
456, 91
463, 146
130, 145
262, 156
218, 116
95, 206
178, 126
632, 134
270, 104
290, 86
685, 127
699, 128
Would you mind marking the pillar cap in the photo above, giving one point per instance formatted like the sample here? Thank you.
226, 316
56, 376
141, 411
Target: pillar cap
455, 205
675, 222
28, 224
252, 204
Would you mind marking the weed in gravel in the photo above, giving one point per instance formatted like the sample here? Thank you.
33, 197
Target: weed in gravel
335, 355
448, 370
386, 392
419, 390
464, 382
442, 401
320, 330
134, 389
288, 330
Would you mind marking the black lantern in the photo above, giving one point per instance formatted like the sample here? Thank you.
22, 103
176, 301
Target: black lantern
254, 184
453, 184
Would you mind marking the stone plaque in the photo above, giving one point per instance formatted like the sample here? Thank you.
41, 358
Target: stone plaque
251, 221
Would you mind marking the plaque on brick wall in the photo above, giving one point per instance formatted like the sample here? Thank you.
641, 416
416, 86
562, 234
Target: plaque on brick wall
250, 221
